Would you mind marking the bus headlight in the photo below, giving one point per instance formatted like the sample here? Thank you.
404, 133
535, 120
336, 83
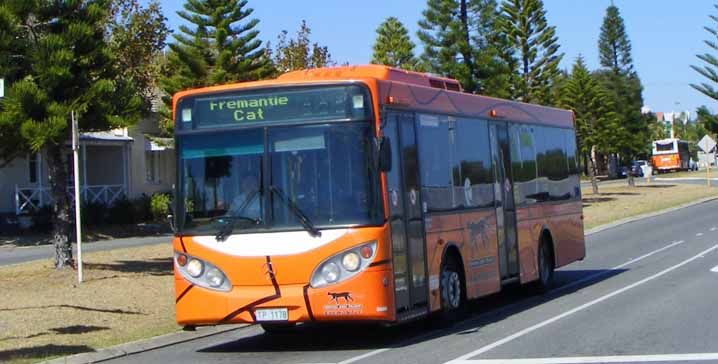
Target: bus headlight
215, 278
351, 261
201, 273
344, 265
194, 267
330, 272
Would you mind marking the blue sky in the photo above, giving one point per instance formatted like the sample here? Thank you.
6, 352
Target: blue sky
665, 34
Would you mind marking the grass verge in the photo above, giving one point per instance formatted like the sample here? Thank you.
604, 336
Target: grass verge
127, 295
618, 202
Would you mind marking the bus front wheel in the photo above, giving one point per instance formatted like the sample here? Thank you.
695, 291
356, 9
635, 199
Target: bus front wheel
452, 288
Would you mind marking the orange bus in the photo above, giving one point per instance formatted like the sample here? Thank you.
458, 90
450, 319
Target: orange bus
365, 193
670, 155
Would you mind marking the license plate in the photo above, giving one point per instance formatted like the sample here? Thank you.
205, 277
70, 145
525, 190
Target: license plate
272, 314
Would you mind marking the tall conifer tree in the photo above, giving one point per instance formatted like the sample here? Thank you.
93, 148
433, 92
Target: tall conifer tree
597, 124
220, 45
393, 47
622, 81
60, 62
710, 68
534, 45
461, 40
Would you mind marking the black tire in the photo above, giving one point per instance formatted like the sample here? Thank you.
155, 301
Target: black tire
545, 268
451, 288
278, 328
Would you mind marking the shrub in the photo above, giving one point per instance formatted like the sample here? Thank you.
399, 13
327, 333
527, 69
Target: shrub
42, 219
94, 213
142, 208
121, 212
158, 206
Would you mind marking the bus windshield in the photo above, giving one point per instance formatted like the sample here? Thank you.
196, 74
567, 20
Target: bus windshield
323, 172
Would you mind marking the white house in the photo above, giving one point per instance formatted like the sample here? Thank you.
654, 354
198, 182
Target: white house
115, 164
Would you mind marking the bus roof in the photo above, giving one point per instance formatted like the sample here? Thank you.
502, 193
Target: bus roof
414, 91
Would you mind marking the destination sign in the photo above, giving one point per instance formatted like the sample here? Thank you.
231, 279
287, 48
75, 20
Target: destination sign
274, 105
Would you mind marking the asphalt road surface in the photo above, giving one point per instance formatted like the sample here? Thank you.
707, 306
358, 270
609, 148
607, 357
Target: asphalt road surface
647, 292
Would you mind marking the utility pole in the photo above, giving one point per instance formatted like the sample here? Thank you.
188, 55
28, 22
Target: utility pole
76, 170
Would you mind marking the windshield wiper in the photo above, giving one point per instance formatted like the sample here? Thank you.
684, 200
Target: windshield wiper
301, 216
226, 230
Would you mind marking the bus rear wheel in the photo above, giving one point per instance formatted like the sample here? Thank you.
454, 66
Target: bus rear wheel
545, 267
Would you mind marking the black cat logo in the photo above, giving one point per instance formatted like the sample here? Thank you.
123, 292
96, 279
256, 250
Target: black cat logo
336, 296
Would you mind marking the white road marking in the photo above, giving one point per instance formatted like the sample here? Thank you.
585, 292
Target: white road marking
577, 309
715, 269
599, 359
699, 234
714, 228
363, 356
510, 306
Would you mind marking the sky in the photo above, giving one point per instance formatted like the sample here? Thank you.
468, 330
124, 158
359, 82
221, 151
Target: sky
665, 35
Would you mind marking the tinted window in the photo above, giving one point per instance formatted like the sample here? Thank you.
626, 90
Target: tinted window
473, 187
434, 160
523, 162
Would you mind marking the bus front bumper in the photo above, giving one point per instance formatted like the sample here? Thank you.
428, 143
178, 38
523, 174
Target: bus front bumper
365, 297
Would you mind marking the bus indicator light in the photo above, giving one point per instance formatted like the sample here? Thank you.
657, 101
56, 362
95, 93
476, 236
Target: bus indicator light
493, 113
366, 251
181, 260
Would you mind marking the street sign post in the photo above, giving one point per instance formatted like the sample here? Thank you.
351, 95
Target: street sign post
707, 144
76, 169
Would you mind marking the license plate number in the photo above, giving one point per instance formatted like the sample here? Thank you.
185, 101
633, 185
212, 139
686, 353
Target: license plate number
272, 314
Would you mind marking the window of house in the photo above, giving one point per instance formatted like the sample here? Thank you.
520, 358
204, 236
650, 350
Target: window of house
152, 164
34, 167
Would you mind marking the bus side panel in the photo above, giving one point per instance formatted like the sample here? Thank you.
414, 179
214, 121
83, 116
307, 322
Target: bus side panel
566, 228
442, 230
482, 271
528, 229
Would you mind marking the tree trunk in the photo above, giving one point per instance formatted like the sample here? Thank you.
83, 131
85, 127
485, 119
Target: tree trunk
592, 174
466, 51
61, 227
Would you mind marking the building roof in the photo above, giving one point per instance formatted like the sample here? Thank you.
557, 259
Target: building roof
105, 136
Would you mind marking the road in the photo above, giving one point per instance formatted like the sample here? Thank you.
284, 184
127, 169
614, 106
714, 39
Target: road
16, 255
647, 292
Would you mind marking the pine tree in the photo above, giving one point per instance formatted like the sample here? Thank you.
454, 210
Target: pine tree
220, 46
299, 53
710, 69
613, 44
461, 40
596, 120
621, 80
62, 64
535, 46
393, 47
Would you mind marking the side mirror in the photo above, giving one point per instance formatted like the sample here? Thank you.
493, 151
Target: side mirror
171, 217
384, 162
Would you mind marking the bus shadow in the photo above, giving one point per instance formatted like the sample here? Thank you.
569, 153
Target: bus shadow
481, 312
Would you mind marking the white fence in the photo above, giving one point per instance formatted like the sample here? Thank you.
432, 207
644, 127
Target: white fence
29, 199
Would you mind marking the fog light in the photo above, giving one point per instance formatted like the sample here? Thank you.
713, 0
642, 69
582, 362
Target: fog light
215, 278
195, 267
351, 261
330, 272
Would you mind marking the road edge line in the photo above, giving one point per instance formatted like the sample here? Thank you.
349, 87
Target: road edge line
647, 215
143, 345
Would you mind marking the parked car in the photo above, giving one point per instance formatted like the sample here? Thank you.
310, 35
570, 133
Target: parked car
635, 169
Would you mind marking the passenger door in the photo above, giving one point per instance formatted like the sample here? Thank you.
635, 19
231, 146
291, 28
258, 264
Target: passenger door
405, 215
505, 207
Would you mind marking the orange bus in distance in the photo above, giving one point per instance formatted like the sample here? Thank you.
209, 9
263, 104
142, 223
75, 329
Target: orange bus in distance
670, 155
365, 193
